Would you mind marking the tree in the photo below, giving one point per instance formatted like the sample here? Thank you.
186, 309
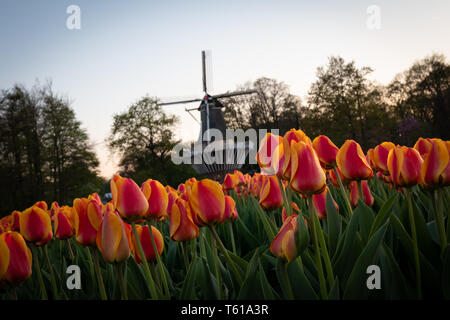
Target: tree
143, 136
44, 154
420, 97
273, 106
344, 104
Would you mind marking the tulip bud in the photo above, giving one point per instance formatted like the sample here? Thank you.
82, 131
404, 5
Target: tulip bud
307, 175
128, 199
255, 184
182, 226
296, 210
326, 151
290, 138
146, 242
423, 146
230, 182
404, 166
354, 193
112, 239
63, 221
87, 217
380, 155
433, 170
207, 201
15, 220
53, 208
319, 201
266, 149
230, 212
284, 244
352, 162
157, 198
270, 196
36, 226
15, 258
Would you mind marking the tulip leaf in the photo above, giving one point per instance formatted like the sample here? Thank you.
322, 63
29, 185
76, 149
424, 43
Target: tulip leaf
188, 289
302, 235
383, 215
301, 286
207, 280
356, 284
366, 220
250, 288
334, 291
334, 224
393, 282
267, 290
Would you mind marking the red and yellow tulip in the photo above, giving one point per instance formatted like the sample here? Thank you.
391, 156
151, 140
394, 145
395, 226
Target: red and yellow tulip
63, 221
207, 201
128, 199
284, 244
404, 165
380, 155
290, 138
35, 225
434, 172
326, 150
270, 196
87, 217
307, 175
354, 193
157, 198
182, 226
15, 258
146, 242
352, 162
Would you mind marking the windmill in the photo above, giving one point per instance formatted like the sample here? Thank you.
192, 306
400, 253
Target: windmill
212, 118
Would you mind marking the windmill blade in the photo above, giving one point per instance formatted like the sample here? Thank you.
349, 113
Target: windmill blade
166, 103
235, 93
189, 111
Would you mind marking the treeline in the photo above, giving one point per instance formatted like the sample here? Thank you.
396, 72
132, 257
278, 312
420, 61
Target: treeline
343, 103
44, 152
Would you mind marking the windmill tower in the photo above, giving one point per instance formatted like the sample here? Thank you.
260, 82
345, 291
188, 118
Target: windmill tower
211, 115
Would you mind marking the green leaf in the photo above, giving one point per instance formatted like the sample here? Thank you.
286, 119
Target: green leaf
301, 286
302, 235
334, 291
366, 220
206, 280
267, 290
446, 273
334, 224
383, 215
188, 289
356, 285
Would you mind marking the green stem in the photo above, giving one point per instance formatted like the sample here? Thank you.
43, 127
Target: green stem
184, 252
440, 222
122, 284
323, 285
324, 249
343, 193
38, 271
150, 282
99, 276
52, 274
91, 266
415, 244
287, 203
236, 273
69, 246
217, 269
287, 283
233, 243
160, 265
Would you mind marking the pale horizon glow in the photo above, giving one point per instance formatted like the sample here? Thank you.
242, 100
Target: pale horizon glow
127, 49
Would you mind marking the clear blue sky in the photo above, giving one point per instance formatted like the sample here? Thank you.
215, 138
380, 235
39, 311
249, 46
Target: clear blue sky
126, 49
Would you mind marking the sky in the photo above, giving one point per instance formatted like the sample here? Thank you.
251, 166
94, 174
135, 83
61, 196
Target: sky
124, 50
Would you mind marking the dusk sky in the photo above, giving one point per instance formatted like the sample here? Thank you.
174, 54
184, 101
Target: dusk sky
127, 49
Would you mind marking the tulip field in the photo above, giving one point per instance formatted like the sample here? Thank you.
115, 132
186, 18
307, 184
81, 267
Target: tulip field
317, 222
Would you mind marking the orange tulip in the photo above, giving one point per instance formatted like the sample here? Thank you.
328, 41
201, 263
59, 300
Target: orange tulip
182, 226
112, 238
63, 221
157, 198
433, 170
35, 225
230, 212
266, 150
207, 201
270, 196
319, 201
307, 175
291, 137
128, 199
255, 184
87, 217
354, 193
15, 220
326, 151
284, 245
15, 258
423, 146
230, 182
146, 242
352, 162
404, 166
295, 209
380, 155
